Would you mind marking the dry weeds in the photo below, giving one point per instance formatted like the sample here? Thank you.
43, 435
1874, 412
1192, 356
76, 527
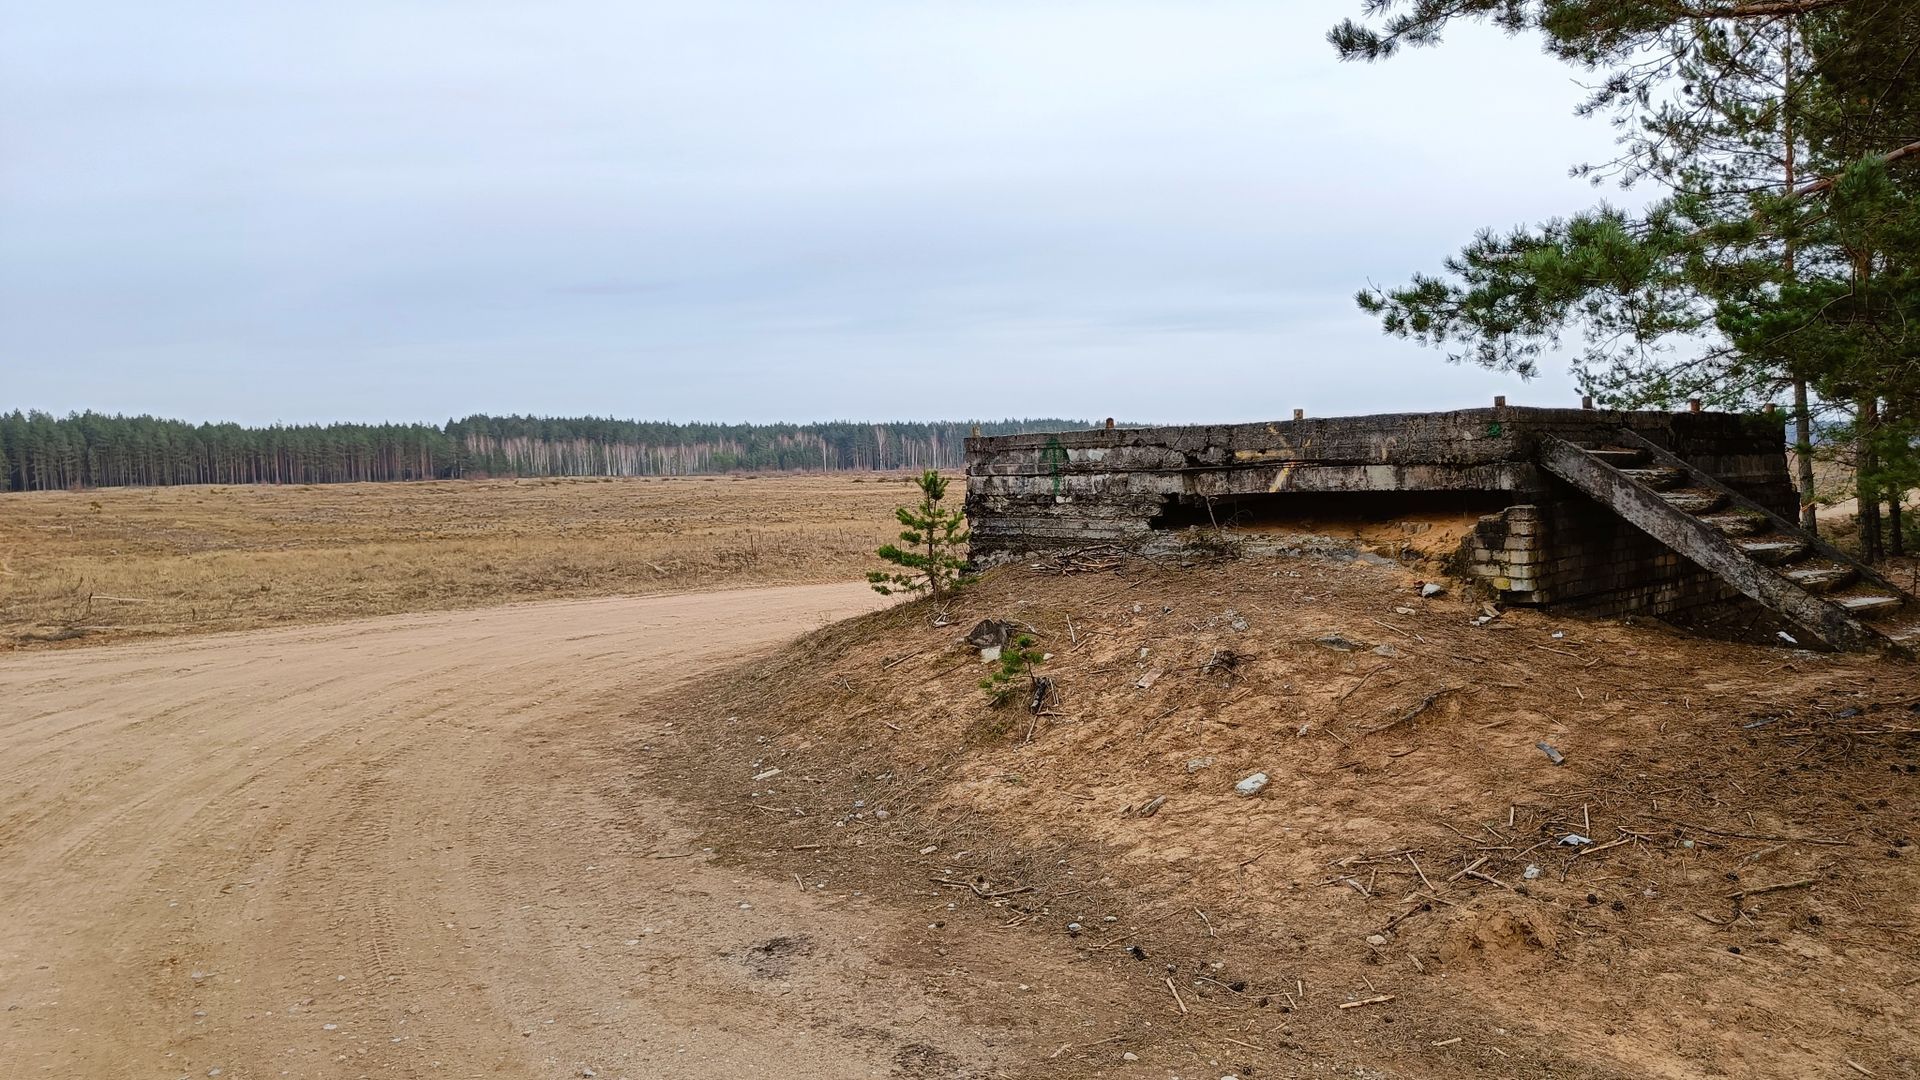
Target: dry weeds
132, 562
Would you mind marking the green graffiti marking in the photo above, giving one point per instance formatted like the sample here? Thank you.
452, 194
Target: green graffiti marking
1054, 456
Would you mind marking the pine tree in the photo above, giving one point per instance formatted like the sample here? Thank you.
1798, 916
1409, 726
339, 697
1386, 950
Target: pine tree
1783, 131
1018, 658
933, 534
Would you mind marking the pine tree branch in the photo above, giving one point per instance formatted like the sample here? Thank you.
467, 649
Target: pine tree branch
1764, 10
1825, 182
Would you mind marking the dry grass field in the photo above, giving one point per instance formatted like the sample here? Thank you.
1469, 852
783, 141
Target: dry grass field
119, 563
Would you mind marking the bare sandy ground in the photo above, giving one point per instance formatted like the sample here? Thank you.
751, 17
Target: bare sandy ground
405, 847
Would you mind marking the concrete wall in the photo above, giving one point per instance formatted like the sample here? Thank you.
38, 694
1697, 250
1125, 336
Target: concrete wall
1036, 494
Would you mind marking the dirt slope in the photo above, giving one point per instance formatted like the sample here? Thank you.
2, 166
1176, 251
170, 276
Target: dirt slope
1746, 908
406, 847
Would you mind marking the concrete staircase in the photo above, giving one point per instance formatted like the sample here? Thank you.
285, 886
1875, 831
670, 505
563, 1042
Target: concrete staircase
1818, 589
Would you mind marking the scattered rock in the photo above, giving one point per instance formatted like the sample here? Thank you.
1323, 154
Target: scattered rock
990, 654
1387, 651
1404, 611
1530, 872
766, 774
1146, 681
1553, 755
1338, 642
1574, 839
1431, 589
990, 633
1129, 1056
1376, 940
1196, 764
1252, 785
1153, 806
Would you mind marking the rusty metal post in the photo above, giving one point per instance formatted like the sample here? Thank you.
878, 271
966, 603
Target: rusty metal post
1693, 404
1299, 414
1586, 401
1500, 402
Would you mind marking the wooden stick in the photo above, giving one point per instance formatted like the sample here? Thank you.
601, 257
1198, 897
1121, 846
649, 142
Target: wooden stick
1758, 836
1602, 847
1377, 999
1744, 893
1171, 989
1255, 857
1422, 873
1351, 690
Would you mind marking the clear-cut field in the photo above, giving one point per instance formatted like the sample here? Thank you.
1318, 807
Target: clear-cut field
120, 563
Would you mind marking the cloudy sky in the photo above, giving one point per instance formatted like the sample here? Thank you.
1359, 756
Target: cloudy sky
746, 209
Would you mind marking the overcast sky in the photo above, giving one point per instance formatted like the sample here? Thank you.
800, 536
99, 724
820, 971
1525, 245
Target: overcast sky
739, 210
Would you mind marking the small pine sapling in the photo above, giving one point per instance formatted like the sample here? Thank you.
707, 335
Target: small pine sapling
1017, 660
929, 548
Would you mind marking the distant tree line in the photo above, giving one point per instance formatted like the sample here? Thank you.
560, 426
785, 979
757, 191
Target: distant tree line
42, 452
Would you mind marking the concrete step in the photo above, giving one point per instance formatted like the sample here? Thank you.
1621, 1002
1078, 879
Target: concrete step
1693, 500
1773, 550
1824, 577
1837, 601
1657, 479
1869, 605
1620, 457
1736, 523
1902, 632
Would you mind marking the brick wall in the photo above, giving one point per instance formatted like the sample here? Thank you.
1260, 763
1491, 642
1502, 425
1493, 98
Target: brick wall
1577, 556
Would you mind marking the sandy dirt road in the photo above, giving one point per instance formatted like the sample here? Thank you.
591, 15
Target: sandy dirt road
405, 847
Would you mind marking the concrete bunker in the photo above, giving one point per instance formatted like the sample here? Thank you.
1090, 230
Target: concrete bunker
1586, 510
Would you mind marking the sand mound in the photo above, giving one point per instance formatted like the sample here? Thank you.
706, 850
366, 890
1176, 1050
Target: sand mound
1736, 890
